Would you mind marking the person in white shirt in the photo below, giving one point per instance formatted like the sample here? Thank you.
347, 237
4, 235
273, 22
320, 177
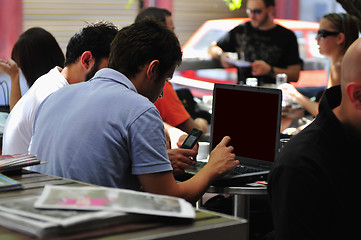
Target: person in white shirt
87, 52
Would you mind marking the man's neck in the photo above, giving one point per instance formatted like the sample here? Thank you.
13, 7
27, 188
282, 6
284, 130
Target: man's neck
72, 75
347, 120
267, 26
65, 73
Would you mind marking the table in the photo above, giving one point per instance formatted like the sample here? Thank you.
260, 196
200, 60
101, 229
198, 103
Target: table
241, 199
206, 225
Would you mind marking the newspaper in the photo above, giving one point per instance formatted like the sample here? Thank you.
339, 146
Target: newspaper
113, 199
20, 215
25, 207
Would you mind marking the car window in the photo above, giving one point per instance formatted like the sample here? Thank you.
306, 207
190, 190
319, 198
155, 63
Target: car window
313, 45
208, 38
301, 44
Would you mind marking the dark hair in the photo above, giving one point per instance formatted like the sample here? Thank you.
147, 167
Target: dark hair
141, 43
345, 23
95, 38
269, 3
36, 52
152, 12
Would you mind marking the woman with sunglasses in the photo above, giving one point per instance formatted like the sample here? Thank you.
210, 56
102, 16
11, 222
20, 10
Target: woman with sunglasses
336, 33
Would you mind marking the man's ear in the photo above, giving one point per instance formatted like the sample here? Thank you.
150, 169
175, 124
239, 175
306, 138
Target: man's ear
271, 10
353, 90
87, 60
152, 70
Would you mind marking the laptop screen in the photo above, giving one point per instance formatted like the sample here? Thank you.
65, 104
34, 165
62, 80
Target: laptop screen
250, 116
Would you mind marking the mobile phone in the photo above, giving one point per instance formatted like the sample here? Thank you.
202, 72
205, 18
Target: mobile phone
192, 139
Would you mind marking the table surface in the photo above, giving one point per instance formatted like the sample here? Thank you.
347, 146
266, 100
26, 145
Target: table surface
242, 190
206, 225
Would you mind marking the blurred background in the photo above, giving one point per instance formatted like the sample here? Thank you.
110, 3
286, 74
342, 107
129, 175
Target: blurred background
64, 17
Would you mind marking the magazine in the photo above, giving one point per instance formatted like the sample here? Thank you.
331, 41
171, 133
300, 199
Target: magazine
113, 199
7, 183
20, 215
18, 161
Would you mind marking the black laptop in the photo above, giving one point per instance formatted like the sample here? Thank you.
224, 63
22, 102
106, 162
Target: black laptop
251, 116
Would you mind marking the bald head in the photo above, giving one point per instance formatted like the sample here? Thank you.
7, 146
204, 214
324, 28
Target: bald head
351, 65
349, 111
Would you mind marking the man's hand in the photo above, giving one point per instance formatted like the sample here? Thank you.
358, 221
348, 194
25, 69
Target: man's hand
181, 159
217, 53
260, 68
222, 159
224, 62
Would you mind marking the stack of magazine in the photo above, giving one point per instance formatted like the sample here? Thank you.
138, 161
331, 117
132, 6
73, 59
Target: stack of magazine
15, 162
12, 163
7, 183
62, 210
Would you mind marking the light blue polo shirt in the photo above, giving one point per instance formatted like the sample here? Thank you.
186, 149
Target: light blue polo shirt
101, 132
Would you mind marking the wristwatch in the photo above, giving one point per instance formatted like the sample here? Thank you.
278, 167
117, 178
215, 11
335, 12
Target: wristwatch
271, 72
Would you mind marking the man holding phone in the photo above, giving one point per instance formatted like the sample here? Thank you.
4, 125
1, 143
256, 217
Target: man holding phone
175, 117
192, 139
120, 142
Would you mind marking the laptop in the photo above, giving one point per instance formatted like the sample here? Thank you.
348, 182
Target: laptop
251, 116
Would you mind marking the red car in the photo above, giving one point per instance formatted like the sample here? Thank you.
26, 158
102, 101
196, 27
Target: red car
198, 72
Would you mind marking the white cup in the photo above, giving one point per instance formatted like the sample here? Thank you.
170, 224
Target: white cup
203, 150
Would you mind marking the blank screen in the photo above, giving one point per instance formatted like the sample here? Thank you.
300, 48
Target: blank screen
250, 118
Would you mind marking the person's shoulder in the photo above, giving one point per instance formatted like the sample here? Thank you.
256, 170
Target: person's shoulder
135, 102
284, 30
53, 74
46, 84
243, 26
240, 28
27, 102
304, 147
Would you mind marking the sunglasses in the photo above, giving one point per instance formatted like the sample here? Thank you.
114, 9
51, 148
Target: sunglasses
322, 33
254, 11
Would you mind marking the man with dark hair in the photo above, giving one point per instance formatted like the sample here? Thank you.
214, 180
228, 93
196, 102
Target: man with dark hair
137, 53
87, 52
107, 131
94, 38
270, 48
170, 107
160, 14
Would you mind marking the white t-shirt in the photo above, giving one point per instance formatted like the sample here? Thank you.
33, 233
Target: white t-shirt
19, 125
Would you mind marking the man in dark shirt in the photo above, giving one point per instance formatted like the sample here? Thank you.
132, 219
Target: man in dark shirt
270, 48
314, 183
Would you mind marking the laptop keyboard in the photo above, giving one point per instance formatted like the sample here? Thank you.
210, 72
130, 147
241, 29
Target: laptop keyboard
239, 176
239, 169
